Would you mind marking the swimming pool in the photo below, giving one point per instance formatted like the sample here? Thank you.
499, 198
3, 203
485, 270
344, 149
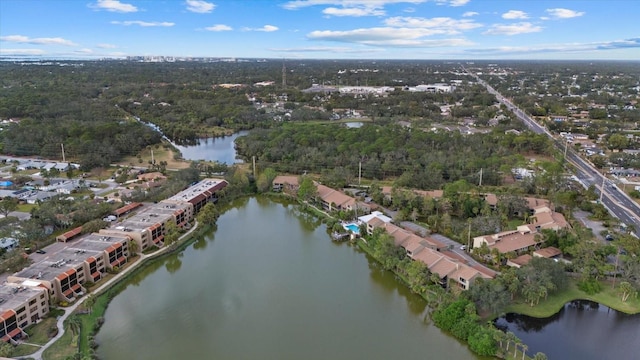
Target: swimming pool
353, 228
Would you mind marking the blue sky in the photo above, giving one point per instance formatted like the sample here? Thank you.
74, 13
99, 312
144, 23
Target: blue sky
335, 29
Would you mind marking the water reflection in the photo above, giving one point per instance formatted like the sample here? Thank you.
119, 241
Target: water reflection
581, 330
221, 149
269, 288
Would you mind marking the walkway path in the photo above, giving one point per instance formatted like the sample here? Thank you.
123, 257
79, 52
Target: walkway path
70, 309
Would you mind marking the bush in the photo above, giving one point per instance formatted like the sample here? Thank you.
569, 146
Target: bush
590, 286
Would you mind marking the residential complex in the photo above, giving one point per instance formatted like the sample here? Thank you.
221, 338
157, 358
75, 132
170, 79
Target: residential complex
449, 266
525, 236
60, 272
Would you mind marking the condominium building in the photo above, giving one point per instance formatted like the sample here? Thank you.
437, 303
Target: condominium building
20, 306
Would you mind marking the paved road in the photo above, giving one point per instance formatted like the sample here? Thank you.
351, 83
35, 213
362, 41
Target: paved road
616, 201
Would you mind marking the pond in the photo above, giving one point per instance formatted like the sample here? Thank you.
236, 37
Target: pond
581, 330
269, 283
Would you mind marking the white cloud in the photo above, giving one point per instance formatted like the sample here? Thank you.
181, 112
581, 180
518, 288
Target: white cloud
513, 29
332, 49
455, 2
438, 25
266, 28
515, 14
199, 6
354, 11
560, 13
143, 23
84, 51
563, 48
114, 6
470, 14
21, 51
37, 41
219, 27
107, 46
298, 4
376, 4
386, 36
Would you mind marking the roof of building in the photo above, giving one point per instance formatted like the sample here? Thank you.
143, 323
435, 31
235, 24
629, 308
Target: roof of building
514, 242
547, 252
520, 260
332, 196
205, 187
14, 295
286, 179
125, 209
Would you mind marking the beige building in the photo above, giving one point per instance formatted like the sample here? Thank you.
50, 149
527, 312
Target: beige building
525, 236
21, 305
433, 253
147, 226
63, 272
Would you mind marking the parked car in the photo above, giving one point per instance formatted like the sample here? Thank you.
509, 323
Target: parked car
40, 251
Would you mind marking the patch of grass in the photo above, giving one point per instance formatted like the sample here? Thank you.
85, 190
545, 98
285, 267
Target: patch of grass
24, 349
39, 334
607, 297
25, 207
61, 349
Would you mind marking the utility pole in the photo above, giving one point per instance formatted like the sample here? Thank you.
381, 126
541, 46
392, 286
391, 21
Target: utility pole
469, 238
152, 160
253, 159
359, 172
63, 157
480, 184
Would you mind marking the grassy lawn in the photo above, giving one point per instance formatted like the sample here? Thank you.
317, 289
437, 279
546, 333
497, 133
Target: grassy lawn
39, 334
608, 297
61, 349
24, 349
25, 207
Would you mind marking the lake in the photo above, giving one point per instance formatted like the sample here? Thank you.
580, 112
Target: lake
268, 283
221, 149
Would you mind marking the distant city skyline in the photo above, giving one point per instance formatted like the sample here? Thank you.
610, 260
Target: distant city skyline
322, 29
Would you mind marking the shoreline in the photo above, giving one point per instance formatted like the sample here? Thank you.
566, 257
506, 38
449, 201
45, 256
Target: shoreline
110, 289
117, 284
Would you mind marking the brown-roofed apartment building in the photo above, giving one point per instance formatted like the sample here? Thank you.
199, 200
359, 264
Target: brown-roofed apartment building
525, 236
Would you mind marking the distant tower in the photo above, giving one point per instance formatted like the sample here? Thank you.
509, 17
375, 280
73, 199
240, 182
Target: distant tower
284, 75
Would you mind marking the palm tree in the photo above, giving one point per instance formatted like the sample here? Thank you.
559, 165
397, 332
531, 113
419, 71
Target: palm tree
89, 302
516, 343
74, 324
524, 350
540, 356
133, 247
510, 337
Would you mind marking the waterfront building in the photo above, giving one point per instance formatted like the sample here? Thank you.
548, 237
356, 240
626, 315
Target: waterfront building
21, 305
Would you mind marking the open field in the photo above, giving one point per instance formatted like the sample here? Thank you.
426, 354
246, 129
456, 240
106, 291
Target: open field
159, 154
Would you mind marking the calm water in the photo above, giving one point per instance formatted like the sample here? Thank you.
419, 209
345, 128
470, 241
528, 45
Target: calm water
582, 330
220, 149
354, 124
270, 284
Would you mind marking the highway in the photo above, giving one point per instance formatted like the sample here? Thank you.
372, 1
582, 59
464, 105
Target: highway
614, 199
